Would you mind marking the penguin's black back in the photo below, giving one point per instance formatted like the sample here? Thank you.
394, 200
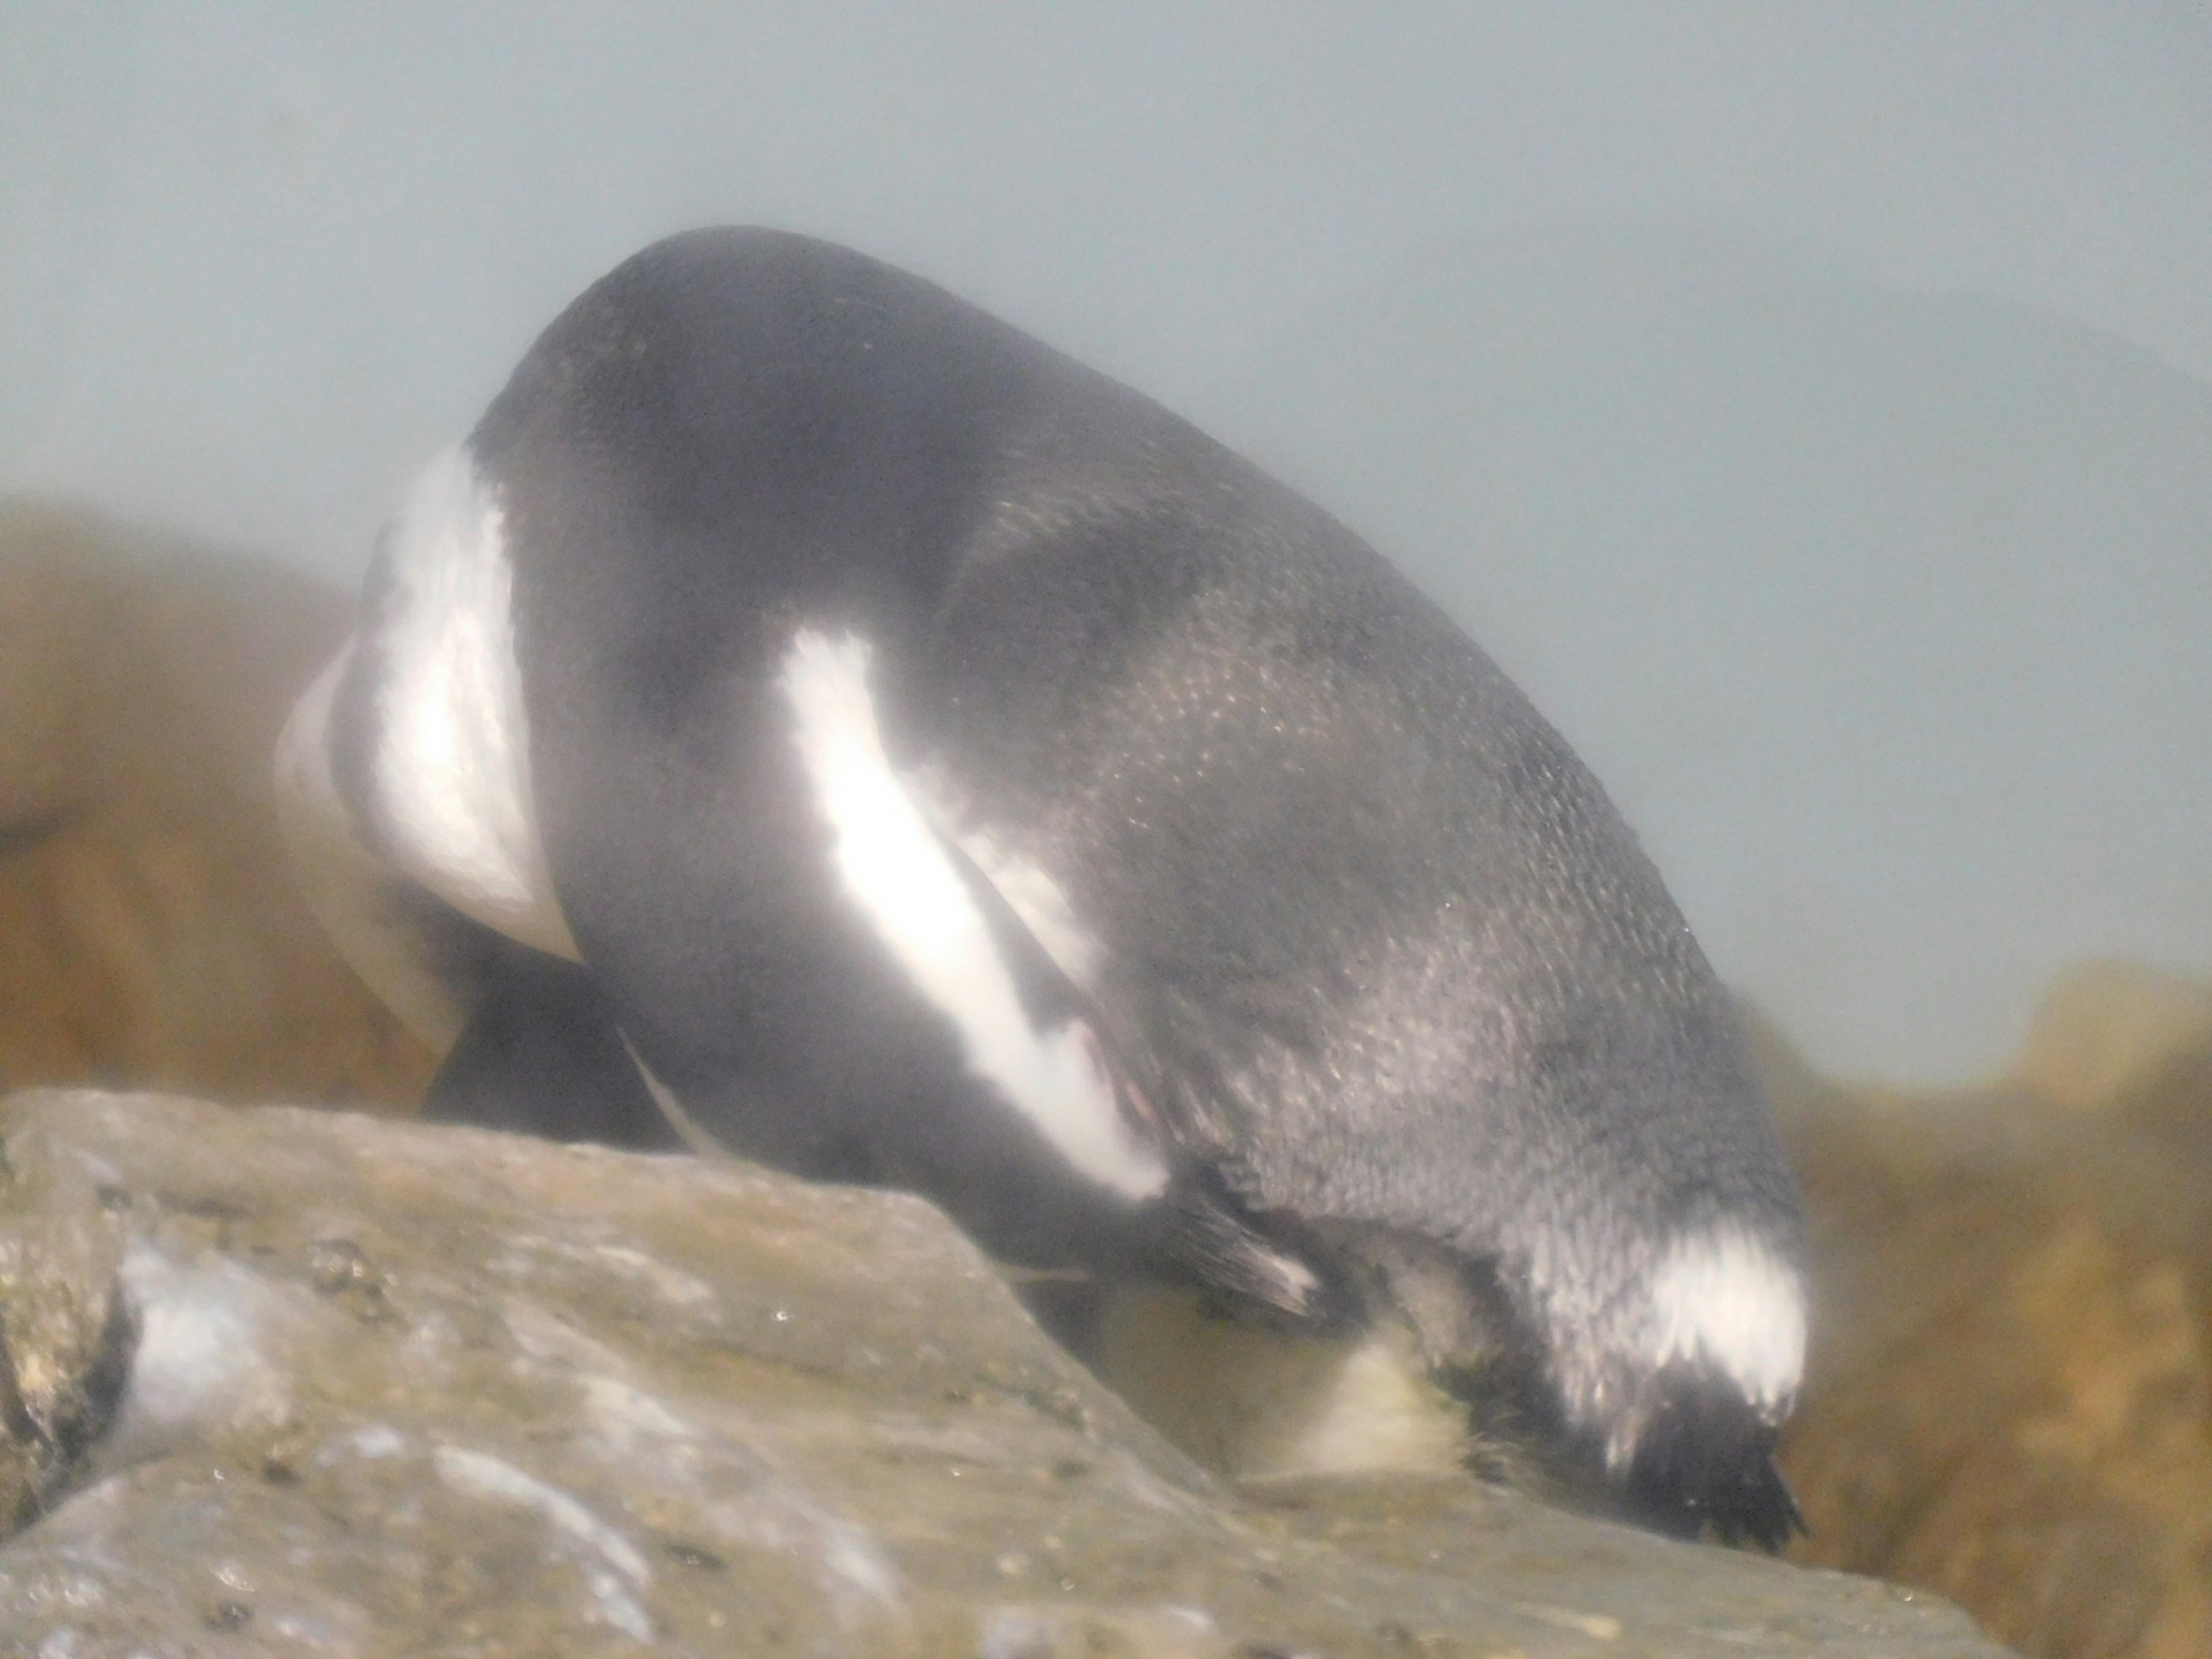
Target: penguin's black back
1340, 861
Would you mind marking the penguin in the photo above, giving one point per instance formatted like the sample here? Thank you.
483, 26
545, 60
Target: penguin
810, 720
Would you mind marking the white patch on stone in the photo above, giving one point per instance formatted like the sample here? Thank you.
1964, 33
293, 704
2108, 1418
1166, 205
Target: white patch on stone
452, 755
627, 1418
1037, 1630
1017, 1634
1722, 1299
895, 868
546, 1338
673, 1285
649, 1441
201, 1356
852, 1555
1598, 1626
476, 1474
377, 1441
782, 1519
343, 881
528, 1256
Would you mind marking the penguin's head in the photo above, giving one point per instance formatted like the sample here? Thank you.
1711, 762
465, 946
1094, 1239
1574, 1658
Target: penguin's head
1665, 1278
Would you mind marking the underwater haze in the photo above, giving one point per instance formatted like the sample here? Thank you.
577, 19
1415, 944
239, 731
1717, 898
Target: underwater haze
1811, 406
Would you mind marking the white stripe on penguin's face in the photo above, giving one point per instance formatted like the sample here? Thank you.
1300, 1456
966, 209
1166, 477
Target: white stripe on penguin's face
453, 749
1724, 1298
894, 867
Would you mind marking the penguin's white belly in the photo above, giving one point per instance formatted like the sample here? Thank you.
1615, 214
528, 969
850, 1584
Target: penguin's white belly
346, 886
451, 764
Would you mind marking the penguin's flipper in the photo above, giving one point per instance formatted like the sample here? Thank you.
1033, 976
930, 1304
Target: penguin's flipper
541, 1055
1205, 1232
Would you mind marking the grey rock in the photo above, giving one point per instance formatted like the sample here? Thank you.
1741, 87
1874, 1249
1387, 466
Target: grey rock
394, 1388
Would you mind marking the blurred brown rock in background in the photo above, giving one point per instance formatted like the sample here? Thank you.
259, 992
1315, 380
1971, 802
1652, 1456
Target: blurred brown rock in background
2106, 1030
151, 933
2010, 1392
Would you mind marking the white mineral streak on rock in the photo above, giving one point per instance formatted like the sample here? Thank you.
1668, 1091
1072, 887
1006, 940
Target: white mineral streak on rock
678, 1290
630, 1423
647, 1439
648, 1442
1159, 1632
376, 1441
203, 1357
544, 1341
528, 1257
477, 1474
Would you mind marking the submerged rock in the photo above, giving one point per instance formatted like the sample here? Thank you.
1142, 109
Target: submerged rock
394, 1388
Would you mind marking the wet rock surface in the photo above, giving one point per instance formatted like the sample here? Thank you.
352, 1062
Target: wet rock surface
394, 1388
